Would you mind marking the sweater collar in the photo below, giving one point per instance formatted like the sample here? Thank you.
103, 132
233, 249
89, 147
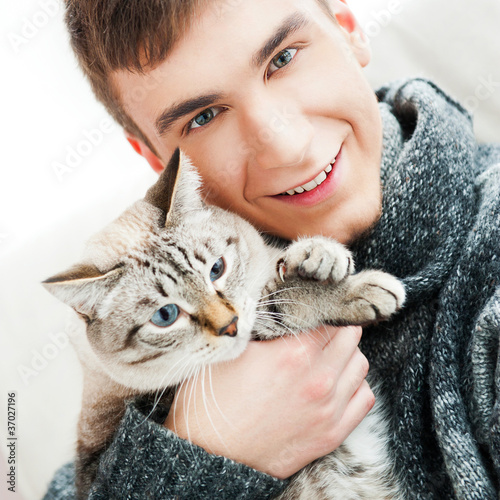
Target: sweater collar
428, 187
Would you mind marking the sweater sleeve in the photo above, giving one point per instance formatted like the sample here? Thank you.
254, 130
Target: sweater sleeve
146, 460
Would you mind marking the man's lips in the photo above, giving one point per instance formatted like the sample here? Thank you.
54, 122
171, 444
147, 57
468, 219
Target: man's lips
309, 186
318, 188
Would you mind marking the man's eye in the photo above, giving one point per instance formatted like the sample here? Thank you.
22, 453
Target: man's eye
205, 117
280, 60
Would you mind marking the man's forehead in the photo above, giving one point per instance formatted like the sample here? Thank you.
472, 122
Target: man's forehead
187, 71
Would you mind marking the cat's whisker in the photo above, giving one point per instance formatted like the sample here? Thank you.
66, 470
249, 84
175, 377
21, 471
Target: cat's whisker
179, 390
228, 422
280, 334
194, 391
180, 360
280, 290
271, 316
166, 386
192, 379
163, 387
275, 302
291, 332
295, 302
267, 326
204, 396
186, 407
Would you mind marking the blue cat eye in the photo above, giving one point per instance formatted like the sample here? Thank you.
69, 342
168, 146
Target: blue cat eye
217, 270
165, 316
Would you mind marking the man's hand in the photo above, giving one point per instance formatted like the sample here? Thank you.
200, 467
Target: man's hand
281, 404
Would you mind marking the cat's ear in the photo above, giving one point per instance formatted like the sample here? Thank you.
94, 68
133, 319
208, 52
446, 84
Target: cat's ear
177, 189
82, 287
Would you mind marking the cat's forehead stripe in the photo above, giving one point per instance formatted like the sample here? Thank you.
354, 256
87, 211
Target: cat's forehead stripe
161, 290
168, 275
185, 255
199, 257
176, 266
213, 244
182, 251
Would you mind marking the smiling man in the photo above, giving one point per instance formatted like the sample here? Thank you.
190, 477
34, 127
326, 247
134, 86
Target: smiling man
285, 110
269, 100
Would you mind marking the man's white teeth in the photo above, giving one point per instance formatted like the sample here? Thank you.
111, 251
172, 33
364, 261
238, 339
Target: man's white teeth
319, 179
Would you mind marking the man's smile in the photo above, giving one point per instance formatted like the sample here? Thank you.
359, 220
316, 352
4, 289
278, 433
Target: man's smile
316, 190
314, 182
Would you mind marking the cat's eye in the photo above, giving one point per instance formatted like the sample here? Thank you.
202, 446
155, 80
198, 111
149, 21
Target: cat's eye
217, 270
280, 60
165, 316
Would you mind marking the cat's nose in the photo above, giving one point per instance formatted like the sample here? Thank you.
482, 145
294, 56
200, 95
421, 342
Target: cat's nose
231, 330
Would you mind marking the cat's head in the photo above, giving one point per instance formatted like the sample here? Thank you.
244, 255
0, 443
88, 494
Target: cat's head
169, 286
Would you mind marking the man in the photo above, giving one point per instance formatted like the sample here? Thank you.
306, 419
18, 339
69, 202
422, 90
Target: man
269, 100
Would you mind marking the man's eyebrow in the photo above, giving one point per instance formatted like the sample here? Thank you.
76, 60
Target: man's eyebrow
170, 115
177, 111
289, 25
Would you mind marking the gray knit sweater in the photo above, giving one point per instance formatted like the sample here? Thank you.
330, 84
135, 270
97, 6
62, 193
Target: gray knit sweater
437, 362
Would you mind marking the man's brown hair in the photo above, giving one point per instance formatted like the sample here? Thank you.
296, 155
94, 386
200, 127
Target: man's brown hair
134, 35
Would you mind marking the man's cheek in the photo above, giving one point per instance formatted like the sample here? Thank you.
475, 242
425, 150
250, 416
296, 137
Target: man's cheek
217, 192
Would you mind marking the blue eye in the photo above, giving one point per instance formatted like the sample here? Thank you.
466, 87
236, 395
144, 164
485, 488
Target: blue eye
280, 60
165, 316
204, 118
217, 270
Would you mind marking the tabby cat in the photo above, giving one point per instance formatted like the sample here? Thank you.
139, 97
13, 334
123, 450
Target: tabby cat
173, 280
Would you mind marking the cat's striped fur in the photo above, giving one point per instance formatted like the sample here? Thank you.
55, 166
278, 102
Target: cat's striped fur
163, 250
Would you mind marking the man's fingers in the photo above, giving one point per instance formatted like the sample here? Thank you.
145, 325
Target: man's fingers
359, 406
357, 409
338, 351
352, 377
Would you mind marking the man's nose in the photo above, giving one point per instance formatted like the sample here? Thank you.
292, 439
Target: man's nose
278, 135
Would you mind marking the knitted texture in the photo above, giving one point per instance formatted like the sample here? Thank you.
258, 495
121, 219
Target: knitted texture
437, 362
146, 460
440, 233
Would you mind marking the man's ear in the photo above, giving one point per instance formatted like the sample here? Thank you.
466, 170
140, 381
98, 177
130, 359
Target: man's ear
359, 42
141, 148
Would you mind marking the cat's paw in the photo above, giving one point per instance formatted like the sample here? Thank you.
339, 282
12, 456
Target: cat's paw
317, 258
375, 296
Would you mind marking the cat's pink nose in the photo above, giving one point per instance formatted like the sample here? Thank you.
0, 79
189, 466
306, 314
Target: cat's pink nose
231, 330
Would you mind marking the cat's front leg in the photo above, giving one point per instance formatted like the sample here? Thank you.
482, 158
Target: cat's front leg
314, 284
299, 295
317, 258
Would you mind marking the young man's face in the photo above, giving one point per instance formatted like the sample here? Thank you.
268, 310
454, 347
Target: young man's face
267, 97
